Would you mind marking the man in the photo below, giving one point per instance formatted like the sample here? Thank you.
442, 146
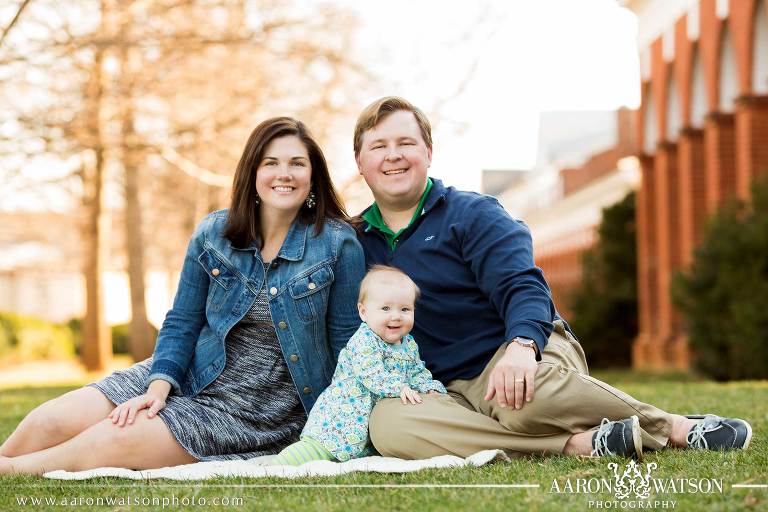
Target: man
486, 324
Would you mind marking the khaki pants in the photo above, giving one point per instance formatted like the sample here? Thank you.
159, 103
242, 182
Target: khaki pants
566, 401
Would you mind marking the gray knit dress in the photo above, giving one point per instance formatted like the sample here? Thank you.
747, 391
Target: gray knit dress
251, 409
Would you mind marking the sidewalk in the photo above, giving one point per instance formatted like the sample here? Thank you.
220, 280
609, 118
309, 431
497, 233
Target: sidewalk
55, 373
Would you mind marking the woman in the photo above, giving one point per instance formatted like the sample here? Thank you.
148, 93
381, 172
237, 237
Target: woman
266, 300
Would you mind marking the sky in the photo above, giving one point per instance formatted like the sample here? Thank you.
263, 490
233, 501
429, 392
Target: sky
483, 70
514, 58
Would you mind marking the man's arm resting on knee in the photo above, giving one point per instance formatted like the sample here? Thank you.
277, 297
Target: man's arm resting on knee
512, 378
499, 251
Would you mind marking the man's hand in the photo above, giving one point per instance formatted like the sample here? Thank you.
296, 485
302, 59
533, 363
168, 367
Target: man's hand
512, 377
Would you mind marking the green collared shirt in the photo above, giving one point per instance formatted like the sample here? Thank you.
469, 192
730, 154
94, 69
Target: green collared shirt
375, 220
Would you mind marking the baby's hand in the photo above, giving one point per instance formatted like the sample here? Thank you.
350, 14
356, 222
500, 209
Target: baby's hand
409, 395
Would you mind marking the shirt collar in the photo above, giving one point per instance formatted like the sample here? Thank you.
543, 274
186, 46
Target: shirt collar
399, 348
436, 195
373, 215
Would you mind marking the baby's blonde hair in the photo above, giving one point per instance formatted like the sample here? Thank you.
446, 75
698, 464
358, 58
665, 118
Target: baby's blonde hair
377, 272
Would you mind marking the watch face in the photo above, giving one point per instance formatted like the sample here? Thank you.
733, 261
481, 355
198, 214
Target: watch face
524, 342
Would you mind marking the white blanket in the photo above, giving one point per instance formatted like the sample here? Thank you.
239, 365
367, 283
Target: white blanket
260, 467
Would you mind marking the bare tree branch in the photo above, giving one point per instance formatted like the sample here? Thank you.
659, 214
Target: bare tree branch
194, 170
24, 4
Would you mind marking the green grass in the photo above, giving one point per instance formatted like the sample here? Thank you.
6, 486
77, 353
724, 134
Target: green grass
675, 393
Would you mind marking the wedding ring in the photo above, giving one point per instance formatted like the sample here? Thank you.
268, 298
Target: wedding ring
519, 380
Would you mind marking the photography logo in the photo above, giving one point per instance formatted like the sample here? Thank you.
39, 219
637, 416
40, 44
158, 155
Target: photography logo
632, 482
632, 486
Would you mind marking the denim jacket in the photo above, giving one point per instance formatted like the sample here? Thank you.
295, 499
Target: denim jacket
312, 286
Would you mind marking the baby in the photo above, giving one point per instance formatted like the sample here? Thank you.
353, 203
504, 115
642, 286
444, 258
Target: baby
380, 360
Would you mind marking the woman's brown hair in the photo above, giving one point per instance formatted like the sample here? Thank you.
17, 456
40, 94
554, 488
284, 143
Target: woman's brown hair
243, 225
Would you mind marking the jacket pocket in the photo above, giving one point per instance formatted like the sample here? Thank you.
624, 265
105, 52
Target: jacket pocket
309, 293
223, 278
217, 269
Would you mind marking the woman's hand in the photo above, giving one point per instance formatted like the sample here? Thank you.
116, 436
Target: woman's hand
153, 399
409, 395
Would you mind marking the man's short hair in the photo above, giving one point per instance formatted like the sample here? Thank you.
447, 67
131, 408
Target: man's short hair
380, 109
377, 271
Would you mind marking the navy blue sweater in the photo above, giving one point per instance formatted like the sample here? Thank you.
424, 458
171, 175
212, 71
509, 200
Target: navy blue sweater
479, 284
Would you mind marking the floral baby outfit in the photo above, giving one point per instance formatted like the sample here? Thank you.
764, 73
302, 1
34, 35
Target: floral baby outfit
369, 369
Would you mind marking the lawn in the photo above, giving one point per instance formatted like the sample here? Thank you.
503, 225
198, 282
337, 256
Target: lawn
676, 393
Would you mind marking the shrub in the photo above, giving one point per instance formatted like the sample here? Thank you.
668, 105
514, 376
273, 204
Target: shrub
25, 338
76, 326
121, 340
7, 338
605, 303
723, 296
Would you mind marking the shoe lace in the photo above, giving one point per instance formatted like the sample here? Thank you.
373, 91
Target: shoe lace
696, 438
601, 439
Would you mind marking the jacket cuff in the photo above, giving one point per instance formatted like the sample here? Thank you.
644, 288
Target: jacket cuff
170, 380
167, 370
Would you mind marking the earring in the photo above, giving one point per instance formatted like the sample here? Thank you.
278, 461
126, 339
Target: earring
310, 201
256, 199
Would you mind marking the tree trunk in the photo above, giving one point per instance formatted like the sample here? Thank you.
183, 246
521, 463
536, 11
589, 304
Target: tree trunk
96, 350
142, 344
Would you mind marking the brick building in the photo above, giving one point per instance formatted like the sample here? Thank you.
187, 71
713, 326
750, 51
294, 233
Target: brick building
701, 130
694, 141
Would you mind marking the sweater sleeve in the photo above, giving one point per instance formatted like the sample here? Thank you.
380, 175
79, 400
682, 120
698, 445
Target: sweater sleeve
421, 379
499, 250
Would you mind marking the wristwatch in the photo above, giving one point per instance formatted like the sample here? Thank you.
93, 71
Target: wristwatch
526, 343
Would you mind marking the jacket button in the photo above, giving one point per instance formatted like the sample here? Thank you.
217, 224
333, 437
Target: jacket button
281, 324
294, 358
307, 390
311, 286
273, 291
215, 272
